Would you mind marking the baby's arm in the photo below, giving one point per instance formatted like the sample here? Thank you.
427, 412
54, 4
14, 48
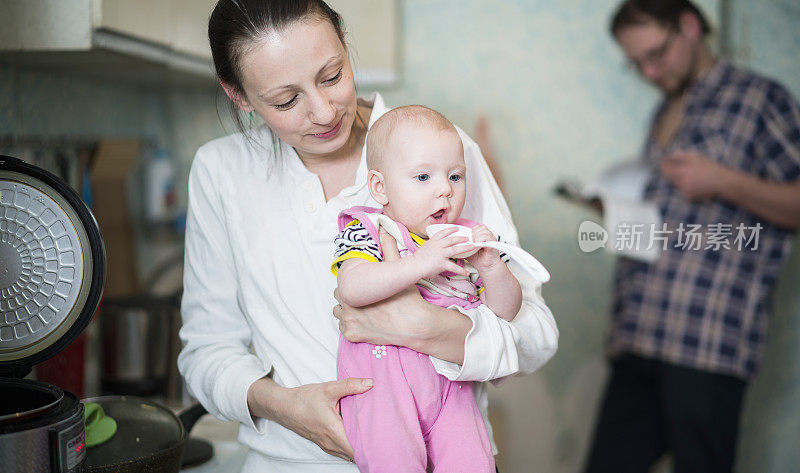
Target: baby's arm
501, 290
363, 282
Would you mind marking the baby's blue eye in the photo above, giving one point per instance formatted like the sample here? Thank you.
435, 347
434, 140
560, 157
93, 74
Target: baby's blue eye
455, 177
422, 177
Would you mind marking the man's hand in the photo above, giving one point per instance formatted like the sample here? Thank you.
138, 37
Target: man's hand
694, 174
700, 178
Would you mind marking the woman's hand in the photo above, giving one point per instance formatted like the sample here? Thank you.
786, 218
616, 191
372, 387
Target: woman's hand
405, 319
310, 410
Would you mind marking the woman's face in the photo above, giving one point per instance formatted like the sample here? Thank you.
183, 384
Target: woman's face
300, 81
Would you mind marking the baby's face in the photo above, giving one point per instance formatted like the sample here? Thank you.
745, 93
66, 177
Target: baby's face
425, 177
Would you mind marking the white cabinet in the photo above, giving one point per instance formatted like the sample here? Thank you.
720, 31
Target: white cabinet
159, 37
372, 32
165, 41
179, 24
190, 34
37, 25
143, 19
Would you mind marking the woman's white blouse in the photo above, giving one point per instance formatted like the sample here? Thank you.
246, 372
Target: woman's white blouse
258, 291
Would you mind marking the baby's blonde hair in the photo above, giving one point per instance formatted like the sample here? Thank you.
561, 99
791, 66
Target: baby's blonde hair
380, 134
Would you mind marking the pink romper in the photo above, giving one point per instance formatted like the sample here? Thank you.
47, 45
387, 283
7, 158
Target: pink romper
413, 417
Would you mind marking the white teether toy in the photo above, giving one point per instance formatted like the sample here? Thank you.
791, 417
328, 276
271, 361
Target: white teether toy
525, 259
461, 232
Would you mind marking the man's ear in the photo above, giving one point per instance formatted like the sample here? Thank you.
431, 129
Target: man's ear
236, 97
377, 187
689, 24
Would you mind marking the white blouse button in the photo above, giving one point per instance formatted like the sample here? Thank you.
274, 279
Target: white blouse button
307, 185
310, 208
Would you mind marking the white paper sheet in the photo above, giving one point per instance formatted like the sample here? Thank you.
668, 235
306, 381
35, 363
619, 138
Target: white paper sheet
629, 220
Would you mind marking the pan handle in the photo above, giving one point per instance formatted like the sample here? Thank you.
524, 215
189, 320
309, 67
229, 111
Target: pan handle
191, 414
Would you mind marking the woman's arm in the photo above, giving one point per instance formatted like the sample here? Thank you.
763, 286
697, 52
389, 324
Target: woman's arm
220, 370
310, 410
216, 360
422, 326
404, 319
475, 345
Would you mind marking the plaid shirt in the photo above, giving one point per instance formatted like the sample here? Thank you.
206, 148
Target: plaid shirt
705, 303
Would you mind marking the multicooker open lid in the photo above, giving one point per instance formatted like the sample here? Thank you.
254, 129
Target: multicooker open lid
52, 266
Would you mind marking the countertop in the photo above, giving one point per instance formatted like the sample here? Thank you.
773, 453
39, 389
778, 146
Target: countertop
228, 452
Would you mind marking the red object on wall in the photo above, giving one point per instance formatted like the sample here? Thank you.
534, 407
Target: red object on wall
66, 368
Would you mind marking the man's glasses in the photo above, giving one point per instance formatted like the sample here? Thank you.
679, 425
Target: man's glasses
655, 56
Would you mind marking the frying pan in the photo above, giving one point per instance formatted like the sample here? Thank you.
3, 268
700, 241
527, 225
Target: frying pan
150, 438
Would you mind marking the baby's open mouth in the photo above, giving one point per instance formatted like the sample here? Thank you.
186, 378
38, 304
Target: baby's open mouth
438, 215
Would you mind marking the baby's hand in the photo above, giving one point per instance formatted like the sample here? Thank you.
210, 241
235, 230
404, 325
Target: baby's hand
485, 257
434, 256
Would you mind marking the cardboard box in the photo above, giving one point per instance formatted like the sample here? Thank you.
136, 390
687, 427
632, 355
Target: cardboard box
110, 168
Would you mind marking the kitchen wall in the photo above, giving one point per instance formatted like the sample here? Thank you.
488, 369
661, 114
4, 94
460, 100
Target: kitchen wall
51, 104
44, 103
767, 37
560, 104
35, 102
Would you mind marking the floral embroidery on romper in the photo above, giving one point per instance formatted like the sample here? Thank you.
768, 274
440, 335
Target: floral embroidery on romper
379, 351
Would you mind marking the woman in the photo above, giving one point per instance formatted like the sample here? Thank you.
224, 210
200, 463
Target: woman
260, 319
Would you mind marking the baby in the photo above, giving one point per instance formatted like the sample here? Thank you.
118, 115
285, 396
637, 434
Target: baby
413, 415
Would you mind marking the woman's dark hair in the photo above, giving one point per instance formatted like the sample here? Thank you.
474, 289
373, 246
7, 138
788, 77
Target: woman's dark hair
235, 25
665, 12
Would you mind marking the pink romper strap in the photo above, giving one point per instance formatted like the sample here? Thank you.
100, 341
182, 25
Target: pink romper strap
362, 214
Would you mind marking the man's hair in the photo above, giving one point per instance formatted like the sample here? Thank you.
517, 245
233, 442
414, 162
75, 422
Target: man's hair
664, 12
381, 131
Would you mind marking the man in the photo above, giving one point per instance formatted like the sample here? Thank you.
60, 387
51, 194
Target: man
689, 330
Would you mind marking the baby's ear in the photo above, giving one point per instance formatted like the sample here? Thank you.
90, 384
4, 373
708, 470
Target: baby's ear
377, 187
236, 97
